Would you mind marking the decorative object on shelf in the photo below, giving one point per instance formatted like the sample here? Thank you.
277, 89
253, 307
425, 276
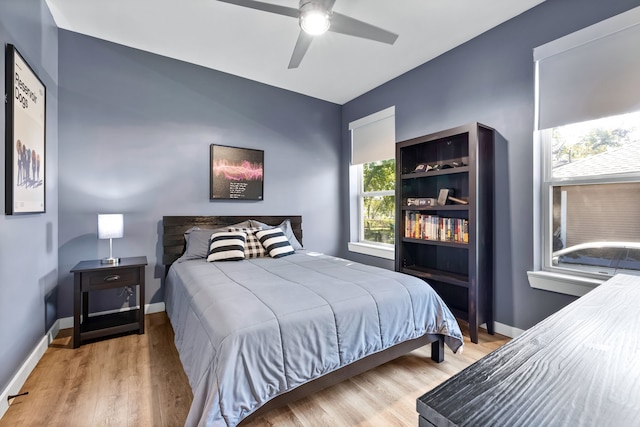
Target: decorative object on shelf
110, 226
443, 195
425, 167
236, 173
25, 117
459, 201
422, 167
421, 201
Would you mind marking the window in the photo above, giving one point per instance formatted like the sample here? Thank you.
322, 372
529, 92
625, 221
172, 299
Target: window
377, 201
372, 174
588, 140
595, 193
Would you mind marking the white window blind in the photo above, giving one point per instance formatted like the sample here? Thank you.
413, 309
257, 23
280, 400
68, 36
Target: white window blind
590, 74
373, 138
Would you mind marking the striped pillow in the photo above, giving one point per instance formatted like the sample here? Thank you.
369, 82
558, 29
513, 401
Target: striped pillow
275, 242
252, 247
226, 246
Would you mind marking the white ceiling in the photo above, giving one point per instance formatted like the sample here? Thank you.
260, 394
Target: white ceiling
258, 45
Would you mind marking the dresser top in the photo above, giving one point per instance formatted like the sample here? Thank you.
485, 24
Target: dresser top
577, 367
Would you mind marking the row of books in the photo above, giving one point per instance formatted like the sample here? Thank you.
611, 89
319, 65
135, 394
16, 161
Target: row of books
433, 227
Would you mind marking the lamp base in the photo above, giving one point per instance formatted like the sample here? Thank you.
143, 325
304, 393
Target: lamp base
109, 260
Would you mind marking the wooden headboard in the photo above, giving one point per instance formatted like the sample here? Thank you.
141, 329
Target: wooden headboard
174, 227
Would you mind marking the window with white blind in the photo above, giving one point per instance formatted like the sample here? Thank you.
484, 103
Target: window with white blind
588, 141
372, 174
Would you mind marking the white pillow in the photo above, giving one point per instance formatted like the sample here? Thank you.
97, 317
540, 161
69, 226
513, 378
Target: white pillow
275, 242
226, 246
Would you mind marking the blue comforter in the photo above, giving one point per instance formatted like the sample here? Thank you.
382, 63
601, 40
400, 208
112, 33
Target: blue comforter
247, 331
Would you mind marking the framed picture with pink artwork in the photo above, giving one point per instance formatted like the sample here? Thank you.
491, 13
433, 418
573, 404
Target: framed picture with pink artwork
236, 173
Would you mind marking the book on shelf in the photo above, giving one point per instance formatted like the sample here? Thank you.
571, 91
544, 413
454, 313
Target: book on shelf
433, 227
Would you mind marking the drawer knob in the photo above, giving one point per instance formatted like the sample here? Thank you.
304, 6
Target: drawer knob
112, 278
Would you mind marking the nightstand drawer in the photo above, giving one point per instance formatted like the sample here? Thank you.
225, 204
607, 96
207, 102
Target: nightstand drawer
111, 278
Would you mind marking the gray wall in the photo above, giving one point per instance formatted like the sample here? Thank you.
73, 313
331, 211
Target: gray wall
135, 130
490, 79
29, 243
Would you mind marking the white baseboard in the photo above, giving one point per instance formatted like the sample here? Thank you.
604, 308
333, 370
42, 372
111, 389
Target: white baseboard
502, 329
156, 307
21, 376
23, 373
65, 323
507, 330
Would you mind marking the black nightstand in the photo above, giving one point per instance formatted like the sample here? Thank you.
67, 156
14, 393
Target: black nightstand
94, 276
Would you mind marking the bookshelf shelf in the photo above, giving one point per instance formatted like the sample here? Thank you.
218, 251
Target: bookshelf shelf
435, 242
436, 208
433, 274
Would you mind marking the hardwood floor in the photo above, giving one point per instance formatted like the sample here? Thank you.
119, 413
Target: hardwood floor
137, 380
133, 380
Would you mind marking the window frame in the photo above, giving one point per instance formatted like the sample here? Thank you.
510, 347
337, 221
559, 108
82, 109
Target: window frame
545, 276
356, 241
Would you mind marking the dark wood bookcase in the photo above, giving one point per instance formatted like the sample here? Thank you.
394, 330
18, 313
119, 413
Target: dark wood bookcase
458, 260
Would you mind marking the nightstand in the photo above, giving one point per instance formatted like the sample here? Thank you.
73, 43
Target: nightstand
95, 276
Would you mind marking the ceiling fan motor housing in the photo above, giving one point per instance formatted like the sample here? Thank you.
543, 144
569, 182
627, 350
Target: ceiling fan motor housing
321, 4
315, 17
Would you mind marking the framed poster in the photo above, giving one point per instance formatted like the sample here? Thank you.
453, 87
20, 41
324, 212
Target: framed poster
25, 137
236, 173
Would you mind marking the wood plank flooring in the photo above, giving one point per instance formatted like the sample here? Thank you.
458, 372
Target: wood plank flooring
137, 380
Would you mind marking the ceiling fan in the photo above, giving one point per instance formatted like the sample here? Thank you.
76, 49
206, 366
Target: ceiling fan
316, 17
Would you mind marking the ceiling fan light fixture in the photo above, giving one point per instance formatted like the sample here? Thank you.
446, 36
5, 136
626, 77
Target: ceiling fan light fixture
314, 20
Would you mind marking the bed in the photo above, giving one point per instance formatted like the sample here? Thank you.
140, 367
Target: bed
261, 332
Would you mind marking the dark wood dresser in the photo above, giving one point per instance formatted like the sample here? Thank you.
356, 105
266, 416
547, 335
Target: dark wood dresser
578, 367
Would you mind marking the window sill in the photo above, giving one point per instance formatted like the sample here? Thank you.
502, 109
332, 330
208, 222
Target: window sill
562, 283
387, 252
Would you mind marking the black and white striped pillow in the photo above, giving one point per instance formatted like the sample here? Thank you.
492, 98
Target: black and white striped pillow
252, 247
226, 246
275, 242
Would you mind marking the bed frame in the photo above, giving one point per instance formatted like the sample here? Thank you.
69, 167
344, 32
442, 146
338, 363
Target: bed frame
173, 243
174, 227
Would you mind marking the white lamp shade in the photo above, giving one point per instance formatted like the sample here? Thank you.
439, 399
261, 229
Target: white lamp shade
110, 226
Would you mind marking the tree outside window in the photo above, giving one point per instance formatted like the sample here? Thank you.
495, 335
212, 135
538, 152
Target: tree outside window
378, 201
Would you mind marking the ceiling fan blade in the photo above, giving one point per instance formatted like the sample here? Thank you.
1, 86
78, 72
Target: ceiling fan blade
266, 7
304, 40
345, 25
328, 4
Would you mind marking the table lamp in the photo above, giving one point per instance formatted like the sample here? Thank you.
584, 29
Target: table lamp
110, 226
